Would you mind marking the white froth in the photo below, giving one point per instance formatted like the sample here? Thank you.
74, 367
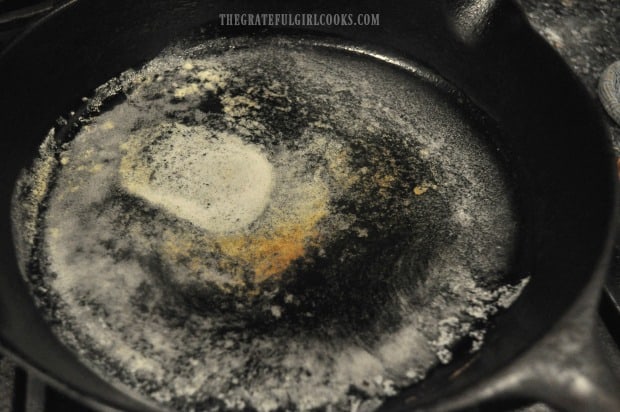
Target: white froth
218, 183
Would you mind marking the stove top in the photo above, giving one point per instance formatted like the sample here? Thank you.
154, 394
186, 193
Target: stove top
586, 33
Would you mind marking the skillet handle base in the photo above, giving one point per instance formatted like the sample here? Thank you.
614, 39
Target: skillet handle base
566, 370
569, 372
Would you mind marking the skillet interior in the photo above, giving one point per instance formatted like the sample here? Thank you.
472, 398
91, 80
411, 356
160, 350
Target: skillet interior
406, 242
549, 152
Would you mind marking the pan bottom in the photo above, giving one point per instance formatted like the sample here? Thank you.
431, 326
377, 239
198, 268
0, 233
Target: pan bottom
268, 223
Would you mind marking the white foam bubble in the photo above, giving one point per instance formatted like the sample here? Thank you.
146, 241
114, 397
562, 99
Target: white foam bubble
216, 182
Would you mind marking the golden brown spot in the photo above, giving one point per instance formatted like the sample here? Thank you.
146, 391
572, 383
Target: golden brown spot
423, 188
263, 254
269, 254
420, 190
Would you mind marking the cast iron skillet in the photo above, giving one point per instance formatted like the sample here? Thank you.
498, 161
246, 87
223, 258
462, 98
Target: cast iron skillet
540, 349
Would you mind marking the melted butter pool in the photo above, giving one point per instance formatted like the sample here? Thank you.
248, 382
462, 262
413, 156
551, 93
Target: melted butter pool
268, 223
